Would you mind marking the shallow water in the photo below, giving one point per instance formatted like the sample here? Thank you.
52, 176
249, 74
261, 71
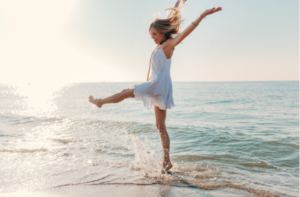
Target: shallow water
242, 136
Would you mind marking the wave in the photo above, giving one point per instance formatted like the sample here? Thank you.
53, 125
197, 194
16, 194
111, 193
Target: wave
244, 101
283, 144
132, 127
12, 119
260, 165
24, 150
191, 158
65, 141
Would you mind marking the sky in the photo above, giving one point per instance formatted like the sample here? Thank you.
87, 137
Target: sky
74, 41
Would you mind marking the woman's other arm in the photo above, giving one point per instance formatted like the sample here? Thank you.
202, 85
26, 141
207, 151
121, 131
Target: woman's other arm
175, 41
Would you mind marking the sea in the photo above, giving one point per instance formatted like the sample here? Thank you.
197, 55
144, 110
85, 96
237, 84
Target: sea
233, 138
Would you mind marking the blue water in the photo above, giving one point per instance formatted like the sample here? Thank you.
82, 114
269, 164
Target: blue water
234, 137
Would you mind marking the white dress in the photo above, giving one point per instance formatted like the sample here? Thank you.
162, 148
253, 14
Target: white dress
158, 91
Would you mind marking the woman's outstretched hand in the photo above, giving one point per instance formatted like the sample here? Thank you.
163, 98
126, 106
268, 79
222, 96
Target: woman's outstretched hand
177, 3
211, 11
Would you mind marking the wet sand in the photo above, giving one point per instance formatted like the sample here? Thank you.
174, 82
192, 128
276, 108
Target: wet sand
126, 190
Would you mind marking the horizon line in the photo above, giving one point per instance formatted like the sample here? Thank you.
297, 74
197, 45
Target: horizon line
182, 81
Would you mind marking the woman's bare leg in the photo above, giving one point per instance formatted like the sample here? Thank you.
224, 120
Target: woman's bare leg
160, 116
116, 98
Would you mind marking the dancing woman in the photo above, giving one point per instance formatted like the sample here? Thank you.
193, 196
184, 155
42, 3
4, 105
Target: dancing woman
158, 91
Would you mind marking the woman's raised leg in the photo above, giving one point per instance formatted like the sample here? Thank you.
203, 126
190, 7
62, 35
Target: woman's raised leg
160, 116
116, 98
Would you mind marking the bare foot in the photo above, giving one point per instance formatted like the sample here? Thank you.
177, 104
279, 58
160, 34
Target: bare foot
167, 167
97, 102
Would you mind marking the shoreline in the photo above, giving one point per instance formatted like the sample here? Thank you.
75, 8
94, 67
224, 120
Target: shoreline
131, 190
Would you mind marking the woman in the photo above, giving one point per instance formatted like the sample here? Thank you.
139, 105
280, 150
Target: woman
158, 91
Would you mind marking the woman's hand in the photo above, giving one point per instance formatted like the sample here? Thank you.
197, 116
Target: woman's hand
177, 3
211, 11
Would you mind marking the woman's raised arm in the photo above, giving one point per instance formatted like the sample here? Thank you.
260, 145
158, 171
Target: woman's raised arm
175, 41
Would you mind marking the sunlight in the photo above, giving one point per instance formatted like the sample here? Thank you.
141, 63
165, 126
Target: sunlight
38, 98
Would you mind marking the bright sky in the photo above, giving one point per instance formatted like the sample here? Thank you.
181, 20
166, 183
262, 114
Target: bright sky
95, 40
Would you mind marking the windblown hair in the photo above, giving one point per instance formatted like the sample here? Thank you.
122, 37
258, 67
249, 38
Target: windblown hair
171, 25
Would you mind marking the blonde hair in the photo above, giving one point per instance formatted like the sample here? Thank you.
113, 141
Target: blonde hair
171, 25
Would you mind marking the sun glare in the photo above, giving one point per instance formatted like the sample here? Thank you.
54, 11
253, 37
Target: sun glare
38, 98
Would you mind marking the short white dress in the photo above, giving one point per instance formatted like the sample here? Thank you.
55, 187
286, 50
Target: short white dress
158, 91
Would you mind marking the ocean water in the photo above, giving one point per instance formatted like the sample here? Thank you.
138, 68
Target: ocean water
240, 138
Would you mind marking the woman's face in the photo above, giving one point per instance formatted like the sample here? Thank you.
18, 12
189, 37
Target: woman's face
156, 36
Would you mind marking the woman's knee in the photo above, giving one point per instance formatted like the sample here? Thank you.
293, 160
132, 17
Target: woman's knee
128, 92
161, 127
124, 90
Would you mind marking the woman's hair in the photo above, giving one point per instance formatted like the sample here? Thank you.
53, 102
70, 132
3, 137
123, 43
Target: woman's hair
170, 25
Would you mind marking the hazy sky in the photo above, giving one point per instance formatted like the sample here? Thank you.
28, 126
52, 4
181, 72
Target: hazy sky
95, 40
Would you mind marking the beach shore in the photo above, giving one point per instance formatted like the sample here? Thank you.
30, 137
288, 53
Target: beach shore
124, 190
